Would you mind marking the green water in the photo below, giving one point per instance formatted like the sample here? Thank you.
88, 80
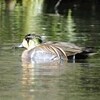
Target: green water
52, 81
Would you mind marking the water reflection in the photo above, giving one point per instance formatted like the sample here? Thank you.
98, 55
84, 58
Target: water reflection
41, 79
10, 4
70, 26
60, 81
56, 81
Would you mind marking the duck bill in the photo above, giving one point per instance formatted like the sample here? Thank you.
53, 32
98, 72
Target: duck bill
21, 46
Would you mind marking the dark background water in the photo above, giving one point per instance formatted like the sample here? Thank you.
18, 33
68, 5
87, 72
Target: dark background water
76, 23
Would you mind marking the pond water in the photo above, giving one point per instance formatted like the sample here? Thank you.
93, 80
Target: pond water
56, 81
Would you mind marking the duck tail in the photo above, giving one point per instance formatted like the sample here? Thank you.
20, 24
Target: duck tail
86, 52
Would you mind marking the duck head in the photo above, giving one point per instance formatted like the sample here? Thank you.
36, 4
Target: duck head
30, 41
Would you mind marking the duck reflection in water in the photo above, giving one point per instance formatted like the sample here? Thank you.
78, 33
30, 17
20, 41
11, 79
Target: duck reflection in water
38, 77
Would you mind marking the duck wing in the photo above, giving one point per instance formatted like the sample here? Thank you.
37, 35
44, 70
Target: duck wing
47, 52
69, 48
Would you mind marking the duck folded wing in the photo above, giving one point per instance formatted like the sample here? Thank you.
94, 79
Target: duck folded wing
69, 48
47, 52
79, 52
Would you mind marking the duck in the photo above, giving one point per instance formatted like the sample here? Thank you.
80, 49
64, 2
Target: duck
40, 52
37, 50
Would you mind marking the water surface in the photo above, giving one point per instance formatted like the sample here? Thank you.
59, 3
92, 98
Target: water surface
56, 81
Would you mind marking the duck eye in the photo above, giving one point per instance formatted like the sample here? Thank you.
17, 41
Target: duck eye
27, 39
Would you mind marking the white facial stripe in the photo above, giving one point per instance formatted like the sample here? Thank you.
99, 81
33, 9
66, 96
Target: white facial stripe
25, 44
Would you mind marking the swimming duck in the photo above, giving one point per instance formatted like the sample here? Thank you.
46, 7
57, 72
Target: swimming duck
37, 50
